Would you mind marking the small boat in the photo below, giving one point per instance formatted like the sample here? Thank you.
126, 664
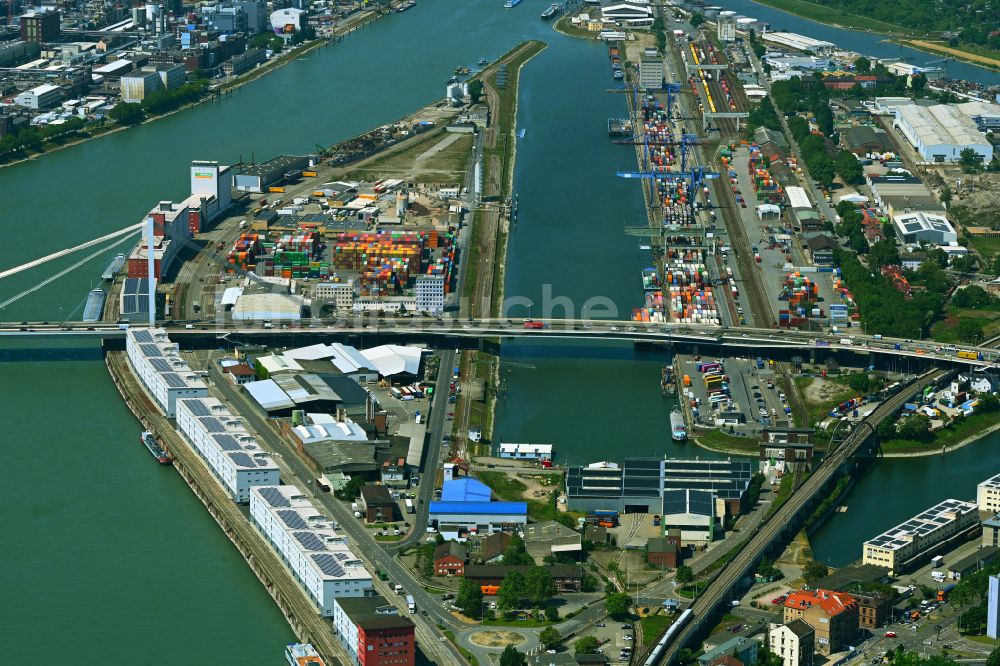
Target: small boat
511, 3
302, 654
550, 12
483, 62
409, 4
667, 385
678, 430
151, 443
114, 266
618, 74
461, 69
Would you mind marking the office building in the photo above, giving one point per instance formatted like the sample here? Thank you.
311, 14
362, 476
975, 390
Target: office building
42, 26
988, 495
726, 27
40, 97
832, 615
232, 453
940, 133
651, 72
158, 364
430, 293
373, 632
900, 547
449, 559
991, 531
310, 546
933, 229
172, 76
985, 115
793, 642
136, 85
338, 294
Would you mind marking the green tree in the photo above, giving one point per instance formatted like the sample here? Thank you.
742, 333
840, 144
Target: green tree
352, 489
470, 598
475, 90
883, 253
516, 554
849, 168
988, 404
512, 591
550, 638
696, 20
970, 161
684, 574
859, 382
589, 645
970, 330
965, 264
916, 427
539, 585
862, 65
618, 604
814, 570
127, 113
551, 613
511, 657
994, 658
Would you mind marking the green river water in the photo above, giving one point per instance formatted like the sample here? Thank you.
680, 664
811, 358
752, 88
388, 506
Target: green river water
111, 559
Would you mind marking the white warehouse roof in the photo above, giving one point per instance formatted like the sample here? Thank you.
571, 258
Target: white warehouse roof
797, 197
274, 307
275, 364
940, 124
797, 42
347, 359
394, 359
269, 395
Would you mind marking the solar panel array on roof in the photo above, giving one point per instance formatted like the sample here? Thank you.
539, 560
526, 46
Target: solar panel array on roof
227, 442
292, 519
274, 497
328, 565
160, 364
150, 350
142, 335
173, 380
198, 408
309, 541
242, 459
212, 424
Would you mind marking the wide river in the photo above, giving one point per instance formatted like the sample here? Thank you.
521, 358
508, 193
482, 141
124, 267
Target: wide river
112, 552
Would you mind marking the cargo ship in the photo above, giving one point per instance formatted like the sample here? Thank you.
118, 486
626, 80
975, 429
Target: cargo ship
409, 4
94, 308
302, 654
619, 127
151, 443
667, 384
511, 3
678, 430
114, 266
550, 12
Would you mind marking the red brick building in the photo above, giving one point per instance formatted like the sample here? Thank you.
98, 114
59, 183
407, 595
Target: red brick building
449, 559
662, 552
373, 631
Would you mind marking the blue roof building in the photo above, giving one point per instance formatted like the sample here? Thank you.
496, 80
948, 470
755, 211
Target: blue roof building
465, 489
466, 507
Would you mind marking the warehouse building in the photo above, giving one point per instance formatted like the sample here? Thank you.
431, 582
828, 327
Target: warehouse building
136, 85
40, 97
638, 484
310, 546
930, 228
261, 176
902, 546
896, 194
226, 447
692, 512
551, 537
988, 495
630, 13
157, 363
526, 451
268, 307
864, 140
940, 133
373, 631
985, 115
790, 40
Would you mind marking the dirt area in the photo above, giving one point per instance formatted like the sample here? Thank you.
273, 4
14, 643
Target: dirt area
496, 639
537, 486
440, 157
941, 48
634, 48
822, 390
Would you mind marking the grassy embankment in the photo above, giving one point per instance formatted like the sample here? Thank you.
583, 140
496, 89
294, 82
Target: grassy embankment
510, 489
716, 440
973, 53
817, 411
564, 26
958, 432
946, 329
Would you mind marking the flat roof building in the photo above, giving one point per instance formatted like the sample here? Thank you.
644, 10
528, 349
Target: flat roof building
157, 363
40, 97
259, 177
526, 451
374, 632
940, 133
551, 537
232, 453
927, 227
897, 548
310, 546
651, 72
793, 642
798, 42
985, 115
988, 494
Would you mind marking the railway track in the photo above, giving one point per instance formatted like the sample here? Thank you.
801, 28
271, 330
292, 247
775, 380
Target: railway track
737, 568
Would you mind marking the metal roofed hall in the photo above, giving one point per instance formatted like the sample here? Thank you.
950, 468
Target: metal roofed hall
465, 490
269, 395
482, 508
392, 360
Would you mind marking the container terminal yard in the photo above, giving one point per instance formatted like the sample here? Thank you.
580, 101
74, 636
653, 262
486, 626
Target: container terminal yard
305, 326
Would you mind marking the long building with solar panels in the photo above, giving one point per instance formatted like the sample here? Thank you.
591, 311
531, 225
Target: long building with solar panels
639, 485
905, 544
229, 450
163, 372
310, 546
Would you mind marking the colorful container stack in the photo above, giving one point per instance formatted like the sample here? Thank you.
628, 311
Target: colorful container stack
764, 184
650, 279
243, 256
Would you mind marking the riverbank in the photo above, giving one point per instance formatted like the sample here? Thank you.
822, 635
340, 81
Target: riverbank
939, 49
566, 27
981, 425
718, 441
214, 95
